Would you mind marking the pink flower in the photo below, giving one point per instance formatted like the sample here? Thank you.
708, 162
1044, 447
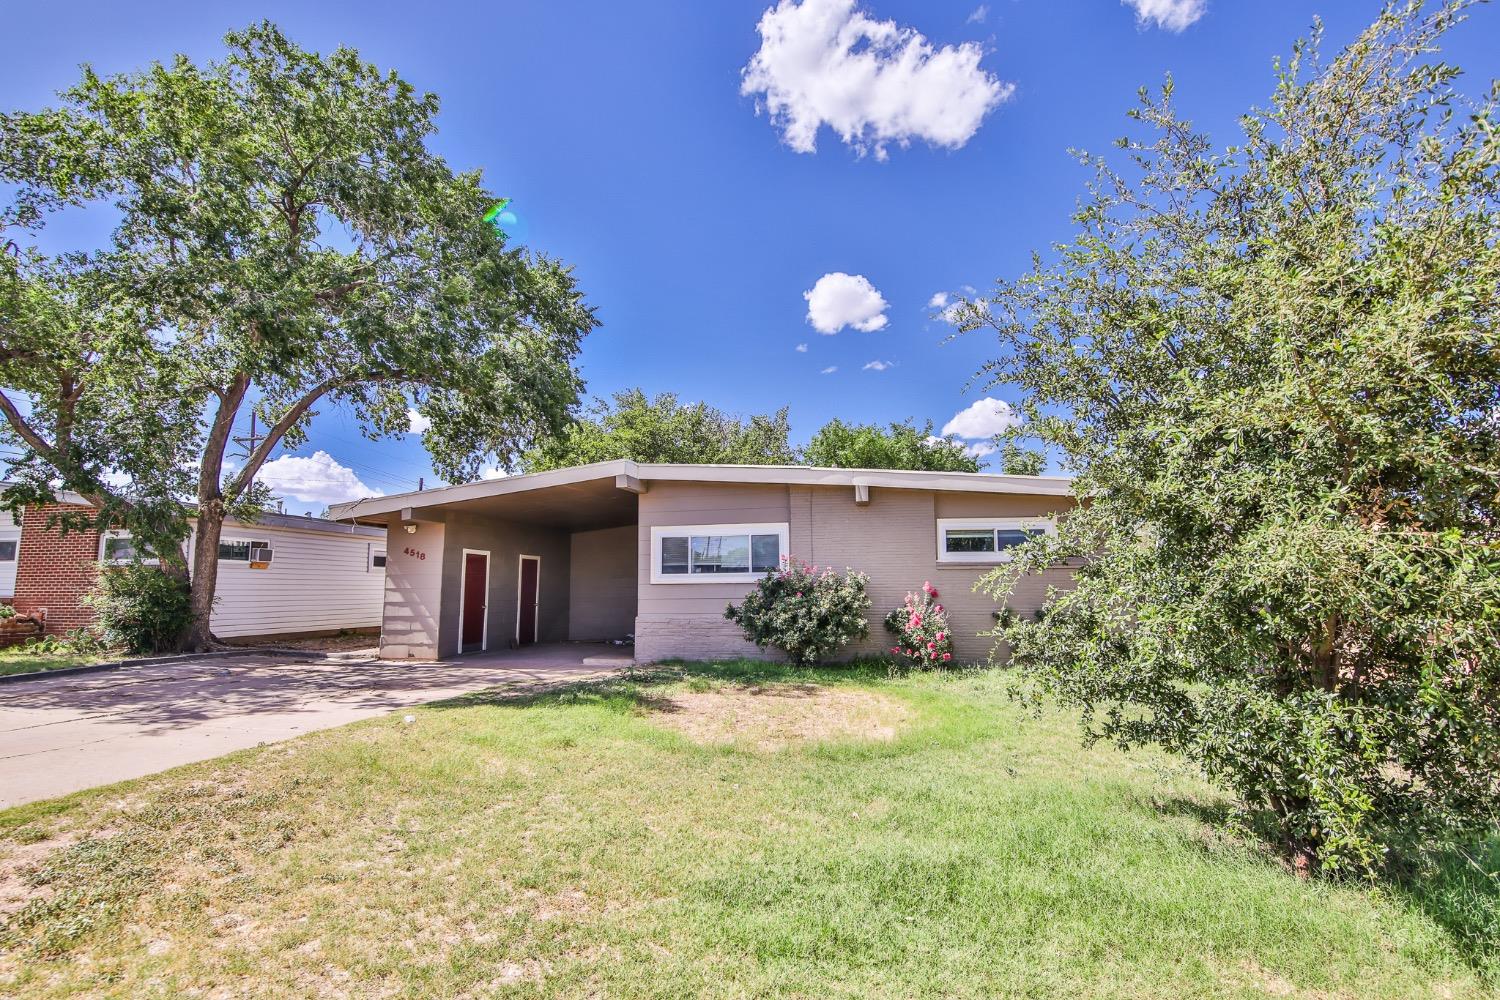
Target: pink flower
940, 636
799, 593
934, 656
939, 609
906, 651
895, 649
932, 645
947, 657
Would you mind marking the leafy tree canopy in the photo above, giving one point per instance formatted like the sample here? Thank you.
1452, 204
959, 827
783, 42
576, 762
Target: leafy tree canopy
285, 239
635, 426
901, 446
1275, 370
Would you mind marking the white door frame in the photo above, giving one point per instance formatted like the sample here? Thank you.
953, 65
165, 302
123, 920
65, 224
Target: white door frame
536, 618
463, 581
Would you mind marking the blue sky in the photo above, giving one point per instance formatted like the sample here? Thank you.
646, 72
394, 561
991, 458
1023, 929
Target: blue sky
697, 222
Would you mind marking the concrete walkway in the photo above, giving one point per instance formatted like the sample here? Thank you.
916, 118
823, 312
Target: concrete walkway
58, 735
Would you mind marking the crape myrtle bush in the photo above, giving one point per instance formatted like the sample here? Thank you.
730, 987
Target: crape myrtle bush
808, 614
921, 629
141, 608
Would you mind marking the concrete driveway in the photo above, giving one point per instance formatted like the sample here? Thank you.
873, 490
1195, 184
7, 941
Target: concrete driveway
61, 734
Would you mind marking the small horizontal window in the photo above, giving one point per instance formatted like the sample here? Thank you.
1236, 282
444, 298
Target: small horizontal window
987, 541
235, 550
378, 560
8, 550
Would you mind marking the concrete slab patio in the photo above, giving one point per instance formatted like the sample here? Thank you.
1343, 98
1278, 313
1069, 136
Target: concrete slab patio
62, 734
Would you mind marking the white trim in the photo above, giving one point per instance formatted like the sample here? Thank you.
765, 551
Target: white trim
779, 528
536, 596
373, 552
946, 524
646, 472
247, 540
105, 536
463, 582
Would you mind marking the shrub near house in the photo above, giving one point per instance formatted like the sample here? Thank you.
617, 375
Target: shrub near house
807, 614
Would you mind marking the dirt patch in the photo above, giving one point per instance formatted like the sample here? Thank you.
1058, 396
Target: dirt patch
344, 642
773, 716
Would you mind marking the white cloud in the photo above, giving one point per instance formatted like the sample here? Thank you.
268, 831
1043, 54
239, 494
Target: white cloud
823, 62
829, 370
492, 472
980, 449
879, 366
938, 300
318, 479
838, 300
980, 14
801, 348
986, 418
1173, 15
416, 423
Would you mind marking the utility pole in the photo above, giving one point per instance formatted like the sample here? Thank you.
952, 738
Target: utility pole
248, 441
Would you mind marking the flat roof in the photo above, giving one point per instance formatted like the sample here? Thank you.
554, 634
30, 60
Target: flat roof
648, 472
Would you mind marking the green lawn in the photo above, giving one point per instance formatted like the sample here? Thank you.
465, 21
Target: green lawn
26, 659
597, 842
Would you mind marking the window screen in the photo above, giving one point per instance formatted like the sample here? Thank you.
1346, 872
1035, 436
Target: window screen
709, 555
8, 550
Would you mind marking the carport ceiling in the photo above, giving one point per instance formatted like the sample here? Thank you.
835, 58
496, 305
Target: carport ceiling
597, 503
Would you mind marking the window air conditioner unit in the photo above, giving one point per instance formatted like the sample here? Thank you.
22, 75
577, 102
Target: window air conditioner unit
261, 554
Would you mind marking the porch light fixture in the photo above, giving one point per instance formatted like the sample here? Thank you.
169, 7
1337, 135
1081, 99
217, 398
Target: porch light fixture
411, 529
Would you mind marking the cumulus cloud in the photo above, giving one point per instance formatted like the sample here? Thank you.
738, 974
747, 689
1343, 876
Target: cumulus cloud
1173, 15
938, 300
801, 348
980, 14
824, 62
417, 424
829, 370
492, 472
879, 366
316, 479
979, 449
984, 419
838, 300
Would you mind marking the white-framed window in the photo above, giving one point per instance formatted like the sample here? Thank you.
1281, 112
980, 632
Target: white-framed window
8, 548
377, 558
988, 539
716, 553
117, 548
238, 549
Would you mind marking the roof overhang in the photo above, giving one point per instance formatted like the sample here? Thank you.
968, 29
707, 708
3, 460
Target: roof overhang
627, 478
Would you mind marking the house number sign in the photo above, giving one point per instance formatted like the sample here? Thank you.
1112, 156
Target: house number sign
414, 553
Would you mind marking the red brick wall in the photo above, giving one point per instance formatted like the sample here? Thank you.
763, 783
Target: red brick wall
54, 570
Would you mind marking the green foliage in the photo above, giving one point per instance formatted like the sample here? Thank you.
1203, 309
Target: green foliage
140, 608
921, 628
286, 238
1275, 370
6, 611
1018, 461
902, 446
643, 429
807, 614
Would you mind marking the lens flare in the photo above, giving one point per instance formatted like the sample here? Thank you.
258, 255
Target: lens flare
505, 220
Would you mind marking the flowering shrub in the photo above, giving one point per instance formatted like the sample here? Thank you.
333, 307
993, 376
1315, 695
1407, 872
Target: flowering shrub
921, 629
808, 614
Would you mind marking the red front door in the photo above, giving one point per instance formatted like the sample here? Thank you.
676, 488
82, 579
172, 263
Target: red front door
476, 570
526, 623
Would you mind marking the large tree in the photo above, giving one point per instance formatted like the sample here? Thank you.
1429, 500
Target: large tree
284, 239
1275, 370
900, 446
662, 429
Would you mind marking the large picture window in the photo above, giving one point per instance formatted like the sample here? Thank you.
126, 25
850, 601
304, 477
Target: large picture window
986, 540
716, 553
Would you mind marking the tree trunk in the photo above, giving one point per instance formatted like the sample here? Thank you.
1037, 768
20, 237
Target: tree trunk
205, 575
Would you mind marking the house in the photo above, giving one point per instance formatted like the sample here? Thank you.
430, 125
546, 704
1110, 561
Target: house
620, 548
281, 575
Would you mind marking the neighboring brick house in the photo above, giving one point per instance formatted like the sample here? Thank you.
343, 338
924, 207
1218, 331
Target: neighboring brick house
319, 576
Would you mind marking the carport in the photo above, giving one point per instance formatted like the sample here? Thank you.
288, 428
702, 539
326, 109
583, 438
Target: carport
549, 557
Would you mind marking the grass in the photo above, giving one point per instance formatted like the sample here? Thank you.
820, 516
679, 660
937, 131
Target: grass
29, 658
582, 843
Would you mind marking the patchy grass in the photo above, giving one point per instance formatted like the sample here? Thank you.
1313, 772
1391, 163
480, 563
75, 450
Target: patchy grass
576, 843
29, 658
